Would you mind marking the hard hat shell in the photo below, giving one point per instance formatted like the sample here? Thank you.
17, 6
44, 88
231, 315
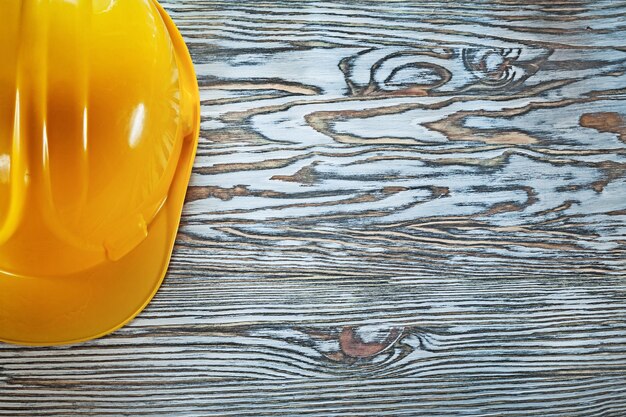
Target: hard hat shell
99, 122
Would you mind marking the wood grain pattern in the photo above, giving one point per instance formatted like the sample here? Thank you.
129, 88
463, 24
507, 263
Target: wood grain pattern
397, 208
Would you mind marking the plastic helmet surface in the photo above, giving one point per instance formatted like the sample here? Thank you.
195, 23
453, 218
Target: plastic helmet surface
99, 122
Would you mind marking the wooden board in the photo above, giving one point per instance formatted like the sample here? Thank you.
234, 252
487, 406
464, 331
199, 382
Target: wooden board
397, 208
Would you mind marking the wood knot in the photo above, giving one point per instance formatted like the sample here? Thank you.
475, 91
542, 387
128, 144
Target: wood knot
366, 344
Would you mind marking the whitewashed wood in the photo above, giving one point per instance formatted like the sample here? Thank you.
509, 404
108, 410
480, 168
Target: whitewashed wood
397, 208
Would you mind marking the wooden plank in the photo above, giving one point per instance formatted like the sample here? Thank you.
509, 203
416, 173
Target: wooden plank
397, 208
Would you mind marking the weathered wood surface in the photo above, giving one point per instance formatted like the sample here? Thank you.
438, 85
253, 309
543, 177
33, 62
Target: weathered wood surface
398, 208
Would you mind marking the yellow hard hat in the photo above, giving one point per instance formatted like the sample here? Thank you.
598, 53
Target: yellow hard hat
99, 121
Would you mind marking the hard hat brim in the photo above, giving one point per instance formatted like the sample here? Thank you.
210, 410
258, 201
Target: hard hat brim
93, 303
82, 306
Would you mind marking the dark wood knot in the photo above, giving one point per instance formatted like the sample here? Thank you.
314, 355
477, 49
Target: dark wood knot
353, 345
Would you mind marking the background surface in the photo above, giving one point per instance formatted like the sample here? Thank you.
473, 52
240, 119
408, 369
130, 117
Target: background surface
397, 208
